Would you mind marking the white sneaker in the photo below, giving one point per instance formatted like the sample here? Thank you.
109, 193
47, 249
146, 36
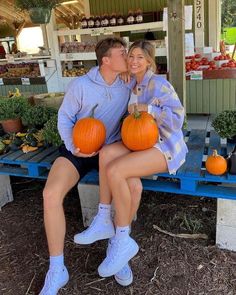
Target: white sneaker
124, 277
54, 281
120, 253
101, 228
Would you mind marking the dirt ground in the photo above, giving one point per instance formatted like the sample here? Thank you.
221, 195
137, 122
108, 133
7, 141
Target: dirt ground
165, 265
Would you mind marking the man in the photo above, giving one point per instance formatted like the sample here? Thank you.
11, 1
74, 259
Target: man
100, 86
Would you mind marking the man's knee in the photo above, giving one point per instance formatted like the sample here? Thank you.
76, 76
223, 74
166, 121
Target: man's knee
51, 197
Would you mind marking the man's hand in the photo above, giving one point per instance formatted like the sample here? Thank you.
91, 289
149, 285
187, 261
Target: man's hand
138, 107
77, 153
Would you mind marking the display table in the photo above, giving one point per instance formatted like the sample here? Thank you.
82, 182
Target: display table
215, 93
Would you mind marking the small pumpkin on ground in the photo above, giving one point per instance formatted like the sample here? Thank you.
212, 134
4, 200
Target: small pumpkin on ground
216, 164
139, 131
89, 134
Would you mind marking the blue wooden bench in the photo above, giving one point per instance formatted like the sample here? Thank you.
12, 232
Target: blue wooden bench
191, 178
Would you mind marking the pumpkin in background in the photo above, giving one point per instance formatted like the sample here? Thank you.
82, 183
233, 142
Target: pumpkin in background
216, 164
139, 131
89, 134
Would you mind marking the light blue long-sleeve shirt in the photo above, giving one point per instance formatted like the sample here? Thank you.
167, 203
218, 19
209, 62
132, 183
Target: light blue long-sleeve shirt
168, 111
82, 95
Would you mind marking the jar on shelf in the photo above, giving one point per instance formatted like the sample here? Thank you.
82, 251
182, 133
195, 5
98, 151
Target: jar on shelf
130, 18
105, 20
120, 20
84, 22
91, 22
139, 16
112, 20
97, 22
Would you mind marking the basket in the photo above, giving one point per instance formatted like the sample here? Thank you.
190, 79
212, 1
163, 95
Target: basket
53, 99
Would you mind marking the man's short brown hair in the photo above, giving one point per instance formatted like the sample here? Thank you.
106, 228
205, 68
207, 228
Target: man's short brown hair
103, 47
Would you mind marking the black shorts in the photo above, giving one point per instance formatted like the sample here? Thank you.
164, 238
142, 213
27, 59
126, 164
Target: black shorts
83, 165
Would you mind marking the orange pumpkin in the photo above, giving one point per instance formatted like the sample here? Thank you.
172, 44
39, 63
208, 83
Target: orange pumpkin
89, 134
139, 131
216, 164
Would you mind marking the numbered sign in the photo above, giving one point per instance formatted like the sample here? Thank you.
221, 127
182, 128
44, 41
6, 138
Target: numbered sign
199, 22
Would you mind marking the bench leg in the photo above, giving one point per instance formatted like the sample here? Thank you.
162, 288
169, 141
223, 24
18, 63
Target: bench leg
89, 200
5, 190
226, 224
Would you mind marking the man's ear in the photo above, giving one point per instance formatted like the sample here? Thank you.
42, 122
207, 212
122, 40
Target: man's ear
105, 60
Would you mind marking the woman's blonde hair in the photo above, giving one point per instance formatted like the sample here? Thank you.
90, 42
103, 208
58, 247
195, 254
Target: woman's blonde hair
148, 50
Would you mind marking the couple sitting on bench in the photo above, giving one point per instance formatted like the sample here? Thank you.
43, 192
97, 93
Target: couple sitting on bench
119, 168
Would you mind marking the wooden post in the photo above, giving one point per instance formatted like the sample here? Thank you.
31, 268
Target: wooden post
214, 23
176, 47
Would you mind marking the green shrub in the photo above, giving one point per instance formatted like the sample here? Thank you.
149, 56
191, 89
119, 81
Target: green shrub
225, 124
13, 107
50, 132
37, 116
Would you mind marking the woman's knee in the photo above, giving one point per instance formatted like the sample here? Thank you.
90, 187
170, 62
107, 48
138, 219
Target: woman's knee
136, 189
105, 155
113, 172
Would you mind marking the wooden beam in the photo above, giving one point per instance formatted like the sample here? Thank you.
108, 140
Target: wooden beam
20, 28
176, 47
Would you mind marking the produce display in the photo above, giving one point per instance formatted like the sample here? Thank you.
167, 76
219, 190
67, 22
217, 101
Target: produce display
199, 62
89, 134
74, 72
73, 47
216, 164
27, 142
139, 131
18, 70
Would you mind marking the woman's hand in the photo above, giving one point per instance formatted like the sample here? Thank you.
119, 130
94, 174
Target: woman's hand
125, 76
139, 107
77, 153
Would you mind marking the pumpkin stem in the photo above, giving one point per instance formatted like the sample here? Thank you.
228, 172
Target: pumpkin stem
137, 114
93, 111
214, 153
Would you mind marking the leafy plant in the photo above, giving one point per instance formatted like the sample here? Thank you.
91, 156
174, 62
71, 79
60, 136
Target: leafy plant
225, 124
27, 4
50, 132
37, 116
12, 107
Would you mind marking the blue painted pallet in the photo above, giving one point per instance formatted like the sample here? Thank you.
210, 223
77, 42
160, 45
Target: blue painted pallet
192, 178
33, 164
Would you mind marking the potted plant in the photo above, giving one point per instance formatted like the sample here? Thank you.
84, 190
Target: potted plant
225, 125
11, 111
39, 10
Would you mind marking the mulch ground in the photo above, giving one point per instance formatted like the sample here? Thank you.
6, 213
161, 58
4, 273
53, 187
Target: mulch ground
165, 265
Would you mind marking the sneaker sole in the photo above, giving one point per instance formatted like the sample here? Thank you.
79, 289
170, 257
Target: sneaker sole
91, 241
109, 274
123, 282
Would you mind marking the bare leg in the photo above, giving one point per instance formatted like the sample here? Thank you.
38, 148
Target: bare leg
135, 164
62, 177
107, 155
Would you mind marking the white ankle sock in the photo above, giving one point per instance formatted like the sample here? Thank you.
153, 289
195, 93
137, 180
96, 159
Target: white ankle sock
104, 210
57, 262
122, 232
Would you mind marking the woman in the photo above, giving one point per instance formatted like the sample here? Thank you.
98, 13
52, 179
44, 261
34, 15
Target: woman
120, 169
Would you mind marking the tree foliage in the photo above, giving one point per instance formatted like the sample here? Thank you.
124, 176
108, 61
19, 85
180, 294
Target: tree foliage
228, 13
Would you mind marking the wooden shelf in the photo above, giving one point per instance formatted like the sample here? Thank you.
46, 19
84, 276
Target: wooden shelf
111, 30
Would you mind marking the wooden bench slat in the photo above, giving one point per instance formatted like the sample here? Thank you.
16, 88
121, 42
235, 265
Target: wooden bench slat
193, 163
